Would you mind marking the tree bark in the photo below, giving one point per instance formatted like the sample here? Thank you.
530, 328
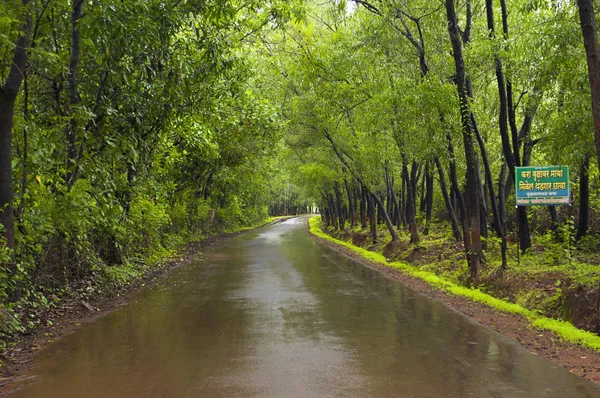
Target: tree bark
371, 215
504, 113
498, 227
587, 19
449, 206
351, 204
380, 209
584, 199
403, 202
325, 211
458, 200
333, 212
8, 96
428, 196
423, 191
471, 229
386, 217
394, 199
72, 148
410, 205
340, 210
25, 152
363, 208
342, 159
512, 119
502, 213
415, 176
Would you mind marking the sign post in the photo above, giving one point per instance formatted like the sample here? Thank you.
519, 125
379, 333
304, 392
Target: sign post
545, 185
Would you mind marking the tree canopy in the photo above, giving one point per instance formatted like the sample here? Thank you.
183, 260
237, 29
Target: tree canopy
130, 127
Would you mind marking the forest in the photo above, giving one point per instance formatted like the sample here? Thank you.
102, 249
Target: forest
131, 128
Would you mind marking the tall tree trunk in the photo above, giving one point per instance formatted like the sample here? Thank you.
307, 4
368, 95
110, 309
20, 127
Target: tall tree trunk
371, 215
7, 103
380, 209
72, 148
325, 211
415, 176
333, 212
342, 159
449, 206
471, 225
394, 200
483, 211
524, 232
24, 153
428, 196
398, 209
8, 96
403, 202
386, 218
587, 18
340, 210
499, 211
389, 204
489, 183
325, 217
503, 117
584, 198
423, 192
410, 205
501, 196
512, 119
458, 200
351, 204
363, 208
502, 214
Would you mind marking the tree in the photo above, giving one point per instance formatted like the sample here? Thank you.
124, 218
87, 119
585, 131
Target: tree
471, 222
8, 95
137, 131
587, 18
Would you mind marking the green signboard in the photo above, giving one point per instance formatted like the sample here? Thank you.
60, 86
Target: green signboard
547, 186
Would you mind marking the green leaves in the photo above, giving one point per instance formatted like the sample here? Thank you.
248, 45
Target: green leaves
160, 137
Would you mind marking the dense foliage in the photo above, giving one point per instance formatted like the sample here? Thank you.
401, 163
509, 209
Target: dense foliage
136, 128
130, 127
406, 112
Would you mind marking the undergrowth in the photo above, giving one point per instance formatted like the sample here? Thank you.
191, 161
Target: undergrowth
26, 313
562, 329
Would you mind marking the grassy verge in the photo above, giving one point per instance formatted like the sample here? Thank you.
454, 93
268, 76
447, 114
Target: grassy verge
564, 330
34, 312
117, 277
22, 329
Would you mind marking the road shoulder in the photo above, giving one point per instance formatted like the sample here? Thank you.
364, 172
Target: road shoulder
579, 360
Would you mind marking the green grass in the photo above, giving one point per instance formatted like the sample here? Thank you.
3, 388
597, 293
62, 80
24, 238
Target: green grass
567, 331
564, 330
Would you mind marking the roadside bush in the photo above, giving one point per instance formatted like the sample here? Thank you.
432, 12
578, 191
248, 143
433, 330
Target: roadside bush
148, 222
231, 216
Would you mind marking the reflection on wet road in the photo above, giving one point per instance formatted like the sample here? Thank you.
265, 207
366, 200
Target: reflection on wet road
274, 314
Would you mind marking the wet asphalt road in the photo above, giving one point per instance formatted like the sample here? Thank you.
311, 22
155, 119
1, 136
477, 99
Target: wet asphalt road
273, 313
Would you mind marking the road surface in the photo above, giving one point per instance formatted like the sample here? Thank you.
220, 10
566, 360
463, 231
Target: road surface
273, 313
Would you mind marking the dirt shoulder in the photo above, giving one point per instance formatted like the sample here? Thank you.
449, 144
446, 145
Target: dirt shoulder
581, 361
72, 313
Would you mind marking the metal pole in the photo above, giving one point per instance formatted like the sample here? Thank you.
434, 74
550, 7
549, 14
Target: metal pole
518, 240
571, 225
